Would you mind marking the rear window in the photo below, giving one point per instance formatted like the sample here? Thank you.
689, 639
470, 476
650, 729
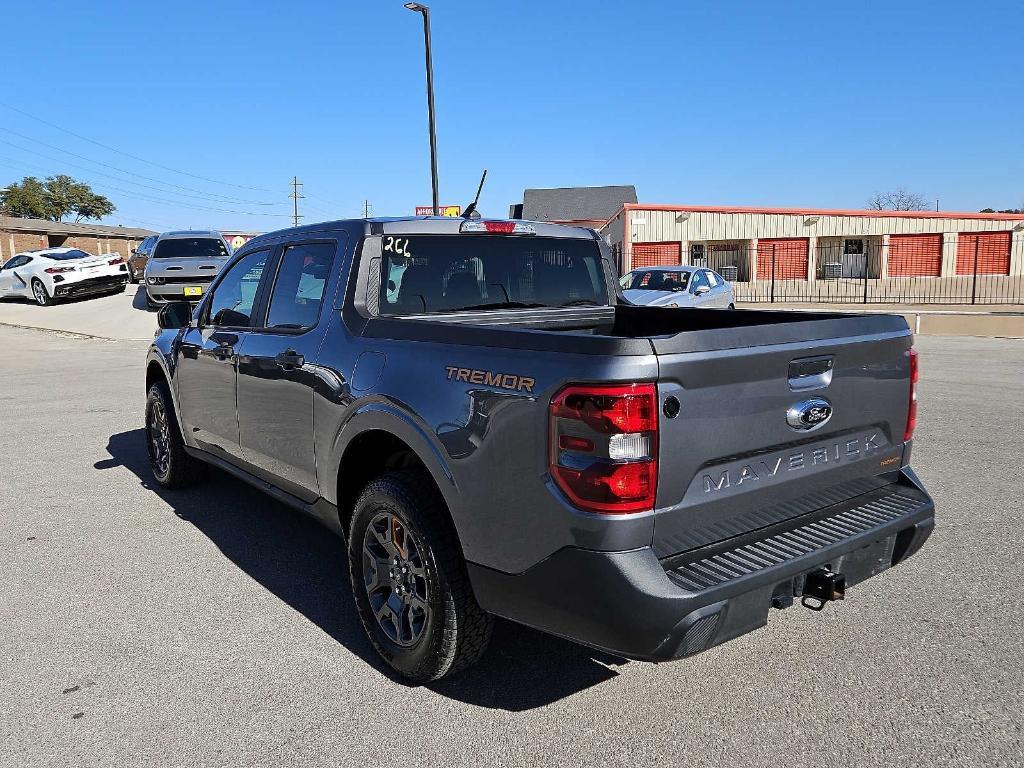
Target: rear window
67, 255
438, 273
191, 248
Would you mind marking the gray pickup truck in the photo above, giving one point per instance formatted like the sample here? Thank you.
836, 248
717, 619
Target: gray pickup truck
495, 431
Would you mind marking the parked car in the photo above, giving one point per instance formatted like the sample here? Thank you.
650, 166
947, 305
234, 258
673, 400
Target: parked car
678, 287
139, 257
500, 433
182, 265
51, 274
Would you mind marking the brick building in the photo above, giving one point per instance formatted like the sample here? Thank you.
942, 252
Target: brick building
17, 235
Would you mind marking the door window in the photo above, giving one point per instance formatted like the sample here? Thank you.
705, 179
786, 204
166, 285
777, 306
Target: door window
712, 278
698, 280
17, 261
300, 285
231, 304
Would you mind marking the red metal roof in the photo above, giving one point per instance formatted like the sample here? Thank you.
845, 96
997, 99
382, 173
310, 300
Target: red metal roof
822, 212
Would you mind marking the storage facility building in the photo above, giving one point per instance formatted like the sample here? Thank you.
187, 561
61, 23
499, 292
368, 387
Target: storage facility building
901, 255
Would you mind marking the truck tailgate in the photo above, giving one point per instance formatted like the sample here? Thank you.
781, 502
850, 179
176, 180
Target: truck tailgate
737, 457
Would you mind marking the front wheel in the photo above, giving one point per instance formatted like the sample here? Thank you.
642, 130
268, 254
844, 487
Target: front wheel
409, 580
40, 294
172, 467
732, 306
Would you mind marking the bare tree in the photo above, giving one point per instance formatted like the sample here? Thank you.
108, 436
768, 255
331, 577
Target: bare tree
898, 200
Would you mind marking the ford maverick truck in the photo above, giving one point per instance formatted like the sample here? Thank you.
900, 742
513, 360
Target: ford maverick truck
495, 431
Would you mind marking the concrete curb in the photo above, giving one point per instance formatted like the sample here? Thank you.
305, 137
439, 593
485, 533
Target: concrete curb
61, 332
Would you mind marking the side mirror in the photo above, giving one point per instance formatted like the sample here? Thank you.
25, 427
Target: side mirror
700, 290
175, 315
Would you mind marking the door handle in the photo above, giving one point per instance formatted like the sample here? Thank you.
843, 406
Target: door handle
289, 360
223, 353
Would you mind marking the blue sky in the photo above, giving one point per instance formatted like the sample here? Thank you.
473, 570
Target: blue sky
789, 104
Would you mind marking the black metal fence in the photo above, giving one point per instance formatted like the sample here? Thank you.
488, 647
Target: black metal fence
973, 268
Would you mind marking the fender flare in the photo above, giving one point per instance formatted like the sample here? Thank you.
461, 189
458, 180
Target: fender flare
387, 416
156, 356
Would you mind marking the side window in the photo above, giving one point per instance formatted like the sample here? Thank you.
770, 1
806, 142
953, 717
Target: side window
712, 278
17, 261
230, 306
698, 280
299, 288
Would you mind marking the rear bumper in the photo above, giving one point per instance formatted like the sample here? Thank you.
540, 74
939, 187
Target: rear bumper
633, 605
159, 294
90, 285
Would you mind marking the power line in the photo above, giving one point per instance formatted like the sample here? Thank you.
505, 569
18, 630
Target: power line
127, 154
111, 176
104, 186
210, 195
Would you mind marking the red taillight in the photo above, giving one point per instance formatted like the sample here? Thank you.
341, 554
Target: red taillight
604, 446
908, 433
58, 270
118, 260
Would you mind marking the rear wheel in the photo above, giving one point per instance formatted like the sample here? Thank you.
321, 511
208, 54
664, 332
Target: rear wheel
409, 580
40, 294
172, 466
732, 306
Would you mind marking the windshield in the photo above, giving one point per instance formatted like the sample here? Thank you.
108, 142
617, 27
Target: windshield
67, 255
191, 248
656, 280
437, 273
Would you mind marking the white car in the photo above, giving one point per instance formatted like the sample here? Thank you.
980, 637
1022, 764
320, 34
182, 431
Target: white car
51, 274
681, 286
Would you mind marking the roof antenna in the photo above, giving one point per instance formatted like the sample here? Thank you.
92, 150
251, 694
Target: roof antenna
471, 211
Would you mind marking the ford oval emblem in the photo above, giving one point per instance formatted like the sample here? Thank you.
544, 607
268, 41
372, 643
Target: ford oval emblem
809, 414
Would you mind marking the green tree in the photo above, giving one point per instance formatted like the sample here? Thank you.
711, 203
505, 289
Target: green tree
25, 199
55, 199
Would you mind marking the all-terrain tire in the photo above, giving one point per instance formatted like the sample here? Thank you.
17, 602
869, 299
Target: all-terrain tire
172, 467
456, 630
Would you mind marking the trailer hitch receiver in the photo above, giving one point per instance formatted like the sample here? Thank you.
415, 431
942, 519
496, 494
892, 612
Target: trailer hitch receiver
823, 586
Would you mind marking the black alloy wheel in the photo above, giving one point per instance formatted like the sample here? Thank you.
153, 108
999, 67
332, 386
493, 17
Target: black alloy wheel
171, 465
395, 579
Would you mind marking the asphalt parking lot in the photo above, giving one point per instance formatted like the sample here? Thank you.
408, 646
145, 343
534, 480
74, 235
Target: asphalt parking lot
214, 626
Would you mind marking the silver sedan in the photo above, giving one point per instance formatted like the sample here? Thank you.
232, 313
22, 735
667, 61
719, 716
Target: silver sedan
681, 286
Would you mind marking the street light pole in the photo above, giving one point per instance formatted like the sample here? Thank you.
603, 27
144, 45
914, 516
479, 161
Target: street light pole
425, 12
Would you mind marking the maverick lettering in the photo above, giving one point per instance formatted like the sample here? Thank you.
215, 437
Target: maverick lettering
845, 450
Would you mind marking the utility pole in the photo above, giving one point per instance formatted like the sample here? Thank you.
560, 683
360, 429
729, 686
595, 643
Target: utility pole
295, 198
366, 209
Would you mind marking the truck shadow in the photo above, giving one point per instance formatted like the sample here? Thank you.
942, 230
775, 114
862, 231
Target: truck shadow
306, 566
